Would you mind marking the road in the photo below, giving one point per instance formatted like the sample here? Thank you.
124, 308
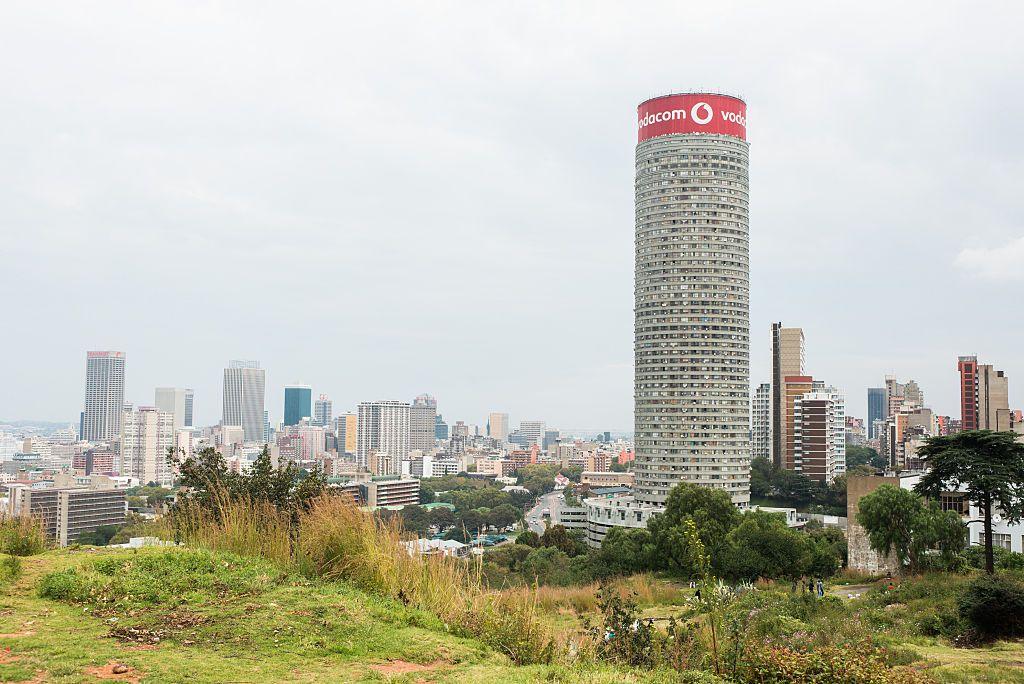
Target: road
534, 517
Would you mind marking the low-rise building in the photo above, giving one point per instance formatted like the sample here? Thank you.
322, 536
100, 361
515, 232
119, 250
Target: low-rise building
609, 479
67, 513
606, 512
390, 491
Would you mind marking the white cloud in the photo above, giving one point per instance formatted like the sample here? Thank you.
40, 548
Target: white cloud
1005, 262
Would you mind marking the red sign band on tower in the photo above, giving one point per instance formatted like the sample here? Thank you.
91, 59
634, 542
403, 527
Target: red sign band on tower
692, 113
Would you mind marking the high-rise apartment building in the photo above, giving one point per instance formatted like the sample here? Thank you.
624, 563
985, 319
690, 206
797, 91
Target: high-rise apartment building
497, 426
761, 422
146, 436
793, 387
176, 400
323, 410
298, 404
876, 409
819, 434
244, 398
788, 359
422, 419
692, 304
383, 429
984, 396
104, 396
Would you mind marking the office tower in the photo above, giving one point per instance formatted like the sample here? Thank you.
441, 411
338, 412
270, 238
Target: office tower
244, 399
692, 322
819, 434
311, 443
346, 426
788, 359
533, 431
104, 396
176, 400
761, 422
268, 429
422, 420
383, 429
146, 436
323, 410
984, 396
460, 429
298, 404
551, 438
440, 428
497, 426
793, 387
876, 409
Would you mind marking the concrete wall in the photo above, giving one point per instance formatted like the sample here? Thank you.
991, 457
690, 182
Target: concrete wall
862, 557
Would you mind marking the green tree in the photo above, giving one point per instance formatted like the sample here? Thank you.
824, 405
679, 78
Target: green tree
529, 538
625, 551
443, 517
503, 516
557, 536
711, 510
987, 465
902, 522
762, 545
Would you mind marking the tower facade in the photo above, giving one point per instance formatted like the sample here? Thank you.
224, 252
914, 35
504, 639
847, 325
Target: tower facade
422, 416
104, 396
244, 398
298, 404
692, 297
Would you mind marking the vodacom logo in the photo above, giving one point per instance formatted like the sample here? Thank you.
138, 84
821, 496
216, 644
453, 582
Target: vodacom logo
702, 113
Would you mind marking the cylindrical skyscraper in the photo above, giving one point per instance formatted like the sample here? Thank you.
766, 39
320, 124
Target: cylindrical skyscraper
692, 326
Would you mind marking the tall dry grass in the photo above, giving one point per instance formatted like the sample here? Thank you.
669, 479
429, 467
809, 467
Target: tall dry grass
22, 535
334, 540
646, 589
238, 525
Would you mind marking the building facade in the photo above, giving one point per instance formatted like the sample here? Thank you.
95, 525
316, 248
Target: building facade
245, 398
532, 432
146, 436
876, 409
819, 434
788, 359
422, 419
497, 426
178, 401
104, 396
692, 323
761, 422
298, 404
383, 430
323, 411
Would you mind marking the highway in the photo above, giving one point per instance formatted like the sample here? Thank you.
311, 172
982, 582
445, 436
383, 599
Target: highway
534, 517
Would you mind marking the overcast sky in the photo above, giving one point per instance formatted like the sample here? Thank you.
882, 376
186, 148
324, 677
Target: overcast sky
381, 200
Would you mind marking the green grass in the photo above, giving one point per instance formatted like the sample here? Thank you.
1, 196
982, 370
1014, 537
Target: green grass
213, 617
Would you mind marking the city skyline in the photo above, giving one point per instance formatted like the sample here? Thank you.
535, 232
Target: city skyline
845, 176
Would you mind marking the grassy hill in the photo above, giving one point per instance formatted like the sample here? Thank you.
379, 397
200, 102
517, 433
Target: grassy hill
174, 615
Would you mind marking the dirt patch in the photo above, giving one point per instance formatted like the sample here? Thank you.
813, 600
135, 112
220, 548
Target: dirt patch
398, 667
115, 671
7, 657
18, 635
138, 635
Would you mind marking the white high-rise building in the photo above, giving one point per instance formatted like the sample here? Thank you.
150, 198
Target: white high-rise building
244, 398
176, 400
104, 396
761, 422
497, 426
692, 297
146, 436
422, 416
383, 428
533, 431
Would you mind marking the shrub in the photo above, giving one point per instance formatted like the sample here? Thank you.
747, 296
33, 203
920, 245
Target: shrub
64, 585
10, 570
21, 536
994, 606
831, 665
